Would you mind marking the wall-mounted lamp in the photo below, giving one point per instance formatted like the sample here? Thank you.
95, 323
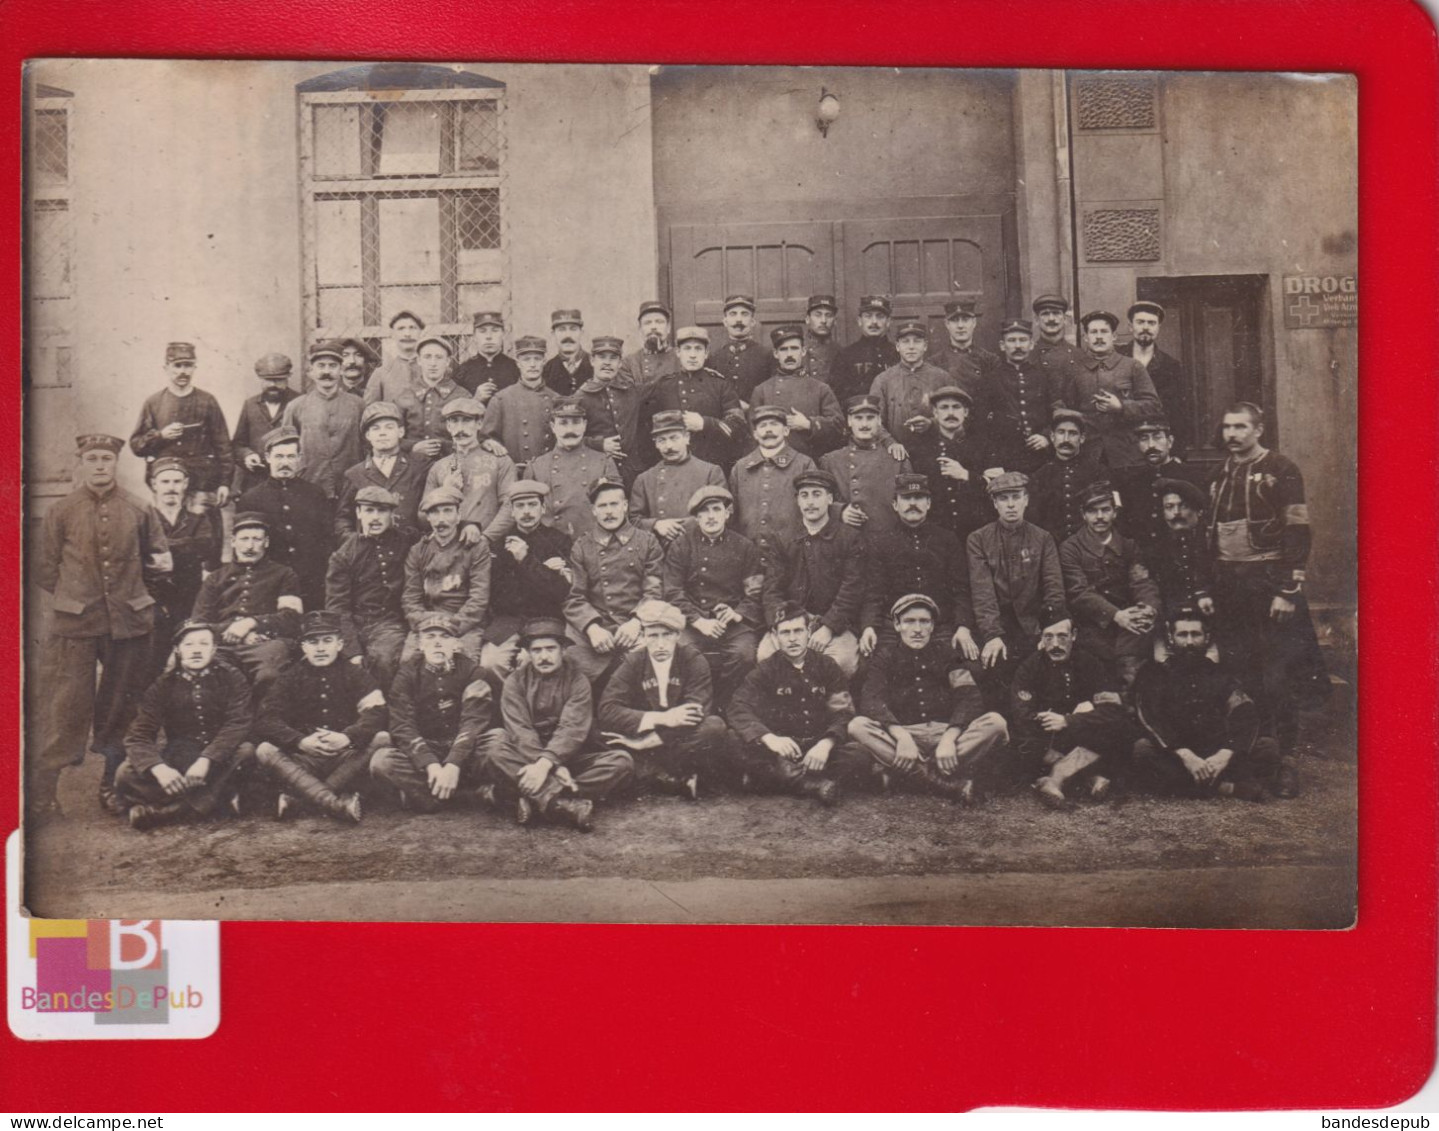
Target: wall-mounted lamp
828, 111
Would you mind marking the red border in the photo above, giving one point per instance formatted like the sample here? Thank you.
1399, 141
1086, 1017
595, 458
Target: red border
374, 1017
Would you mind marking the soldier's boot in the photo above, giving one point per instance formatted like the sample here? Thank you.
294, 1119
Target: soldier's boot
144, 817
1286, 783
960, 790
576, 812
300, 782
823, 790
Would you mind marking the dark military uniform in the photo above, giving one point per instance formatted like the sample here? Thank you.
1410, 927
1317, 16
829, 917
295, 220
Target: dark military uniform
1017, 402
859, 363
1182, 565
1041, 684
1171, 385
240, 590
406, 479
825, 574
1055, 490
820, 356
194, 539
1141, 515
924, 559
565, 381
701, 573
966, 368
528, 589
960, 505
501, 370
204, 446
707, 393
866, 480
744, 363
302, 521
1100, 579
259, 414
1017, 587
1111, 432
614, 410
423, 409
812, 397
365, 586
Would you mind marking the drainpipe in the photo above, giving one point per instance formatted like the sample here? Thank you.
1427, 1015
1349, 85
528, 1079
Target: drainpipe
1064, 185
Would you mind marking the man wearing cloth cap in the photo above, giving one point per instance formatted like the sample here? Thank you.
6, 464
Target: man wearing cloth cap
569, 468
382, 426
317, 723
616, 566
659, 500
258, 415
203, 708
763, 482
658, 706
709, 402
1108, 588
821, 351
1182, 562
480, 476
791, 716
489, 369
422, 402
922, 717
1019, 395
1143, 515
570, 368
918, 557
864, 359
195, 540
365, 583
530, 572
715, 577
446, 574
1113, 391
301, 518
443, 715
328, 422
816, 422
824, 572
96, 546
654, 359
740, 360
184, 421
1051, 348
517, 422
904, 388
959, 357
541, 757
357, 362
396, 373
1057, 485
865, 469
1170, 382
253, 602
1016, 584
954, 458
613, 409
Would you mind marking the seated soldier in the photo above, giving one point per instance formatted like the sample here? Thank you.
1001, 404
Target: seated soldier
660, 498
615, 566
203, 707
1066, 712
716, 579
791, 717
1057, 487
1108, 587
823, 571
1181, 559
568, 469
530, 573
366, 583
480, 476
402, 474
657, 706
548, 712
446, 574
923, 717
763, 483
1201, 731
441, 708
253, 602
317, 724
301, 515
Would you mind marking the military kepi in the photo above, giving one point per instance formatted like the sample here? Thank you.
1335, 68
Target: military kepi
90, 441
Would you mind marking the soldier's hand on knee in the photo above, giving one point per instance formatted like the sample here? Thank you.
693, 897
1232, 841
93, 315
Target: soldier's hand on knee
197, 773
867, 640
628, 634
785, 747
171, 780
532, 778
817, 756
964, 641
994, 652
906, 751
444, 783
602, 640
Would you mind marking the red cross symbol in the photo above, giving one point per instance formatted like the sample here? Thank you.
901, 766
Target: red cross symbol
1305, 310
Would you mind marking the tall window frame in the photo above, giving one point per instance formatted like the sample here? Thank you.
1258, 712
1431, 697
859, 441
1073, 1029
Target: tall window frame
50, 261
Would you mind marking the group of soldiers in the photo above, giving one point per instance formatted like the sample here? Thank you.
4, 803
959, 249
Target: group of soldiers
531, 580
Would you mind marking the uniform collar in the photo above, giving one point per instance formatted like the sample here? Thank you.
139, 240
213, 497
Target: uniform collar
622, 535
782, 459
1108, 361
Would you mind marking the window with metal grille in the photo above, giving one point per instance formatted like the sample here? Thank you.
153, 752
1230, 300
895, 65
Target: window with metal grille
403, 200
49, 284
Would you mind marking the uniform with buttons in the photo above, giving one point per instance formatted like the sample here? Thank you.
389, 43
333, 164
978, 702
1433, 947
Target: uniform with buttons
865, 474
330, 443
926, 559
664, 491
1055, 491
519, 418
707, 393
301, 530
763, 488
1045, 684
568, 476
1018, 401
365, 585
742, 361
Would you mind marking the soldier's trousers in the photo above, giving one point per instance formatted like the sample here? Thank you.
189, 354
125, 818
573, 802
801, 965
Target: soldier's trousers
597, 667
684, 751
976, 746
382, 642
1106, 731
768, 772
138, 787
72, 706
1160, 771
320, 780
596, 773
262, 662
397, 770
730, 657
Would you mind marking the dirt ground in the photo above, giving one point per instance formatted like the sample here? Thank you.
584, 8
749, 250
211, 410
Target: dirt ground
1280, 864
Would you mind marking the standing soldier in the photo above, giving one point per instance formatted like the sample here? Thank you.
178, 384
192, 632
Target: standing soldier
365, 584
658, 706
480, 476
97, 545
301, 518
570, 367
185, 421
489, 369
922, 717
387, 466
422, 404
1182, 562
905, 387
442, 712
317, 724
1113, 391
253, 602
710, 405
659, 501
328, 422
398, 373
763, 483
1019, 396
1142, 517
1058, 485
1051, 348
203, 708
260, 414
791, 716
446, 574
194, 538
357, 362
1259, 529
1166, 372
816, 422
964, 361
569, 468
740, 359
517, 418
548, 712
953, 458
530, 573
821, 351
860, 362
865, 471
654, 359
613, 409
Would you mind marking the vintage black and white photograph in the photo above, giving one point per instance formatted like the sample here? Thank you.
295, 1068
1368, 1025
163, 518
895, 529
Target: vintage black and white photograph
627, 493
